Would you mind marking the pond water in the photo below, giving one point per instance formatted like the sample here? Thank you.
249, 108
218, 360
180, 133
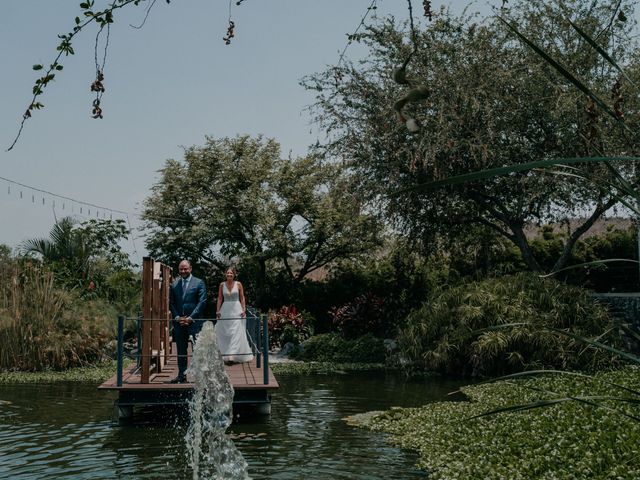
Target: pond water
68, 431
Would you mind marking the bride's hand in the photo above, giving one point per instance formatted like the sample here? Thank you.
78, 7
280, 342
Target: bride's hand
243, 314
218, 315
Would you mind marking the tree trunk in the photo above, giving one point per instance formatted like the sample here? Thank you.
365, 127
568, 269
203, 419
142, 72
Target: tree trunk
578, 232
520, 239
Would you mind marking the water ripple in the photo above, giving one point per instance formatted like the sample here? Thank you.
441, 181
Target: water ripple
67, 432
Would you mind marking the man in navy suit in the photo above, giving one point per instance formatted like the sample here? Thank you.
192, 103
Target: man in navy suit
187, 298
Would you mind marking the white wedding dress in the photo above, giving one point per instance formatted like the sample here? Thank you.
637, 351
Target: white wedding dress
231, 328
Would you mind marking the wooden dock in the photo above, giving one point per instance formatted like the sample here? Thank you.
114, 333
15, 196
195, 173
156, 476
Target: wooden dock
247, 379
243, 376
148, 383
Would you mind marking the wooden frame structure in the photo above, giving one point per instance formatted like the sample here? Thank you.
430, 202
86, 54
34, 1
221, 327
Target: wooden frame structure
155, 345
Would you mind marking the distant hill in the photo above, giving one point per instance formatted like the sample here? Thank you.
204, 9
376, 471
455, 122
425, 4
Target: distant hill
601, 226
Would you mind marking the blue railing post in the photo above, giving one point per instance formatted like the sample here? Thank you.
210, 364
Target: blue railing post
256, 337
120, 349
265, 348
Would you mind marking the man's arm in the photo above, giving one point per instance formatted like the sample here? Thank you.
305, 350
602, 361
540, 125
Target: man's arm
202, 299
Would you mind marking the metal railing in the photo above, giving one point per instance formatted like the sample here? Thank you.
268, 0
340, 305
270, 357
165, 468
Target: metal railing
257, 330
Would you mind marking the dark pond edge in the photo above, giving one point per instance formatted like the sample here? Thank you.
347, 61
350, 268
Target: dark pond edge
98, 373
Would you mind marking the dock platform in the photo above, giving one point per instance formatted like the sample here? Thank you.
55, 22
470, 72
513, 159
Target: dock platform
246, 378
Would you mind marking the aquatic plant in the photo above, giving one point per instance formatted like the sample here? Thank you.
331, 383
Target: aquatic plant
565, 440
96, 374
322, 368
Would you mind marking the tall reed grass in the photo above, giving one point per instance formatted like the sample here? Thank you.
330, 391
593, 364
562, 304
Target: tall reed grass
43, 326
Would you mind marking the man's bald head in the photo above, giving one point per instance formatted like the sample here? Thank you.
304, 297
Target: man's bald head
184, 269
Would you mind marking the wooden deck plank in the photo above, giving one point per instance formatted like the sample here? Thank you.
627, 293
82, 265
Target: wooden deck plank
243, 376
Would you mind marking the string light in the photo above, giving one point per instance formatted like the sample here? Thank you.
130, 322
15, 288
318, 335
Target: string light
84, 207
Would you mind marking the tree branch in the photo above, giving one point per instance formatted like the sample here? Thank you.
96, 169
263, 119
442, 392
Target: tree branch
581, 230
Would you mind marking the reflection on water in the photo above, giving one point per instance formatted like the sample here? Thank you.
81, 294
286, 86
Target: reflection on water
67, 431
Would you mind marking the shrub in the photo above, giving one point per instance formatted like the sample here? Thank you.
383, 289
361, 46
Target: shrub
287, 324
443, 335
331, 347
365, 314
45, 327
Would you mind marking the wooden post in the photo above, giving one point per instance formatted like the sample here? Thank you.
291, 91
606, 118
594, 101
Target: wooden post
165, 313
147, 315
155, 324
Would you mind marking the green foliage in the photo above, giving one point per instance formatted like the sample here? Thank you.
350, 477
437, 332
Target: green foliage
87, 257
236, 198
331, 347
43, 326
363, 314
481, 253
396, 272
493, 102
614, 243
568, 440
321, 368
96, 373
289, 325
5, 252
443, 334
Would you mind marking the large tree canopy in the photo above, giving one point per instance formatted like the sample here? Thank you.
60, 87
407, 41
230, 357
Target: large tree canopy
236, 199
492, 102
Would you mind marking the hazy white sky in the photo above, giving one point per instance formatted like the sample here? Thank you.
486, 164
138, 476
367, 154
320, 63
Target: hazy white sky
168, 85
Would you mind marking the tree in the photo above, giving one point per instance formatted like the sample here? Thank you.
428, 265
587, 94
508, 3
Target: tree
82, 255
237, 199
491, 102
65, 249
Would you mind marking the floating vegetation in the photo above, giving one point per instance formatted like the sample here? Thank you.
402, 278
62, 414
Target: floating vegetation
567, 440
89, 374
307, 368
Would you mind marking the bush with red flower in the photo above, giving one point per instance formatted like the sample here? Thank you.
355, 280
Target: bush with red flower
364, 314
288, 324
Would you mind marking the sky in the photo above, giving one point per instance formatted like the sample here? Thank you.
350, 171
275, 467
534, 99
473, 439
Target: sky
168, 85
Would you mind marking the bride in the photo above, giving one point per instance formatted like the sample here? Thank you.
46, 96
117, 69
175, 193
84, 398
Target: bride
231, 326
